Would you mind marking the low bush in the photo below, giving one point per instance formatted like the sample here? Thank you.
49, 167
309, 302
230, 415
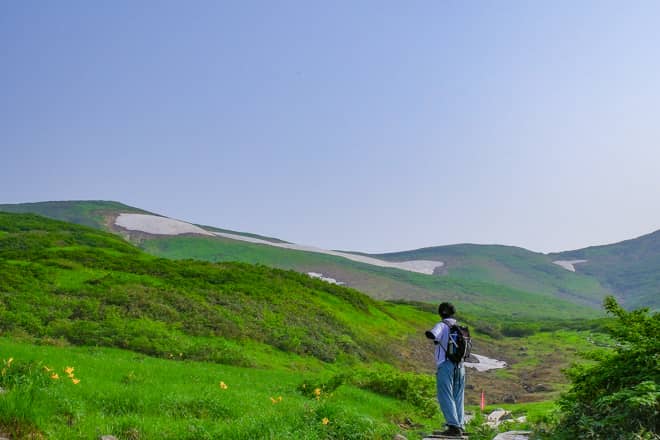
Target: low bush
619, 396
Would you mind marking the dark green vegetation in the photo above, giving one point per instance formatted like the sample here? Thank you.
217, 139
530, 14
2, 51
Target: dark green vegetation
630, 268
619, 396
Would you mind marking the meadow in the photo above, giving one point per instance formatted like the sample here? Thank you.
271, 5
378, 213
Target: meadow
84, 392
133, 396
99, 337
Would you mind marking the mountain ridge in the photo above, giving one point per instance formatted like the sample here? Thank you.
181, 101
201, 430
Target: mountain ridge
505, 265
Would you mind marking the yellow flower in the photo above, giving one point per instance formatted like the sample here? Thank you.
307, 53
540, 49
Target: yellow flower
273, 400
325, 421
317, 392
68, 370
223, 385
75, 381
54, 376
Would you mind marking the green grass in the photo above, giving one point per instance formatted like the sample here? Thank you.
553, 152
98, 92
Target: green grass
511, 266
133, 396
136, 397
89, 213
629, 268
263, 331
499, 279
59, 280
476, 296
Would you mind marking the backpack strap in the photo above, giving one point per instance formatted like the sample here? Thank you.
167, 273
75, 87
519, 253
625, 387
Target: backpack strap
448, 338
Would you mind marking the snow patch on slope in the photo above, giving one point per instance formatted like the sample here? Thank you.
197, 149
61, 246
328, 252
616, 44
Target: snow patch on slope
420, 266
152, 224
321, 277
485, 363
569, 264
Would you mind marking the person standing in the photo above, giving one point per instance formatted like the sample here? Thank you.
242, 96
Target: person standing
450, 376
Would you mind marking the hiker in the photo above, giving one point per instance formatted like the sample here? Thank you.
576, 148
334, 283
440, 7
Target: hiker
450, 375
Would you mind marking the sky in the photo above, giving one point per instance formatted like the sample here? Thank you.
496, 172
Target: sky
358, 125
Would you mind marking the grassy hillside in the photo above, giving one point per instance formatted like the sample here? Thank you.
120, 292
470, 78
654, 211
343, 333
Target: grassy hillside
630, 268
112, 391
477, 297
91, 213
264, 332
484, 287
60, 280
137, 397
510, 266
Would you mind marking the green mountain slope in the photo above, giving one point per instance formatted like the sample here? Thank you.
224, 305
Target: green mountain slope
529, 286
630, 268
64, 281
510, 266
93, 213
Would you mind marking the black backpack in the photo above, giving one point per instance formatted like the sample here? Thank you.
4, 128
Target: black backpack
459, 343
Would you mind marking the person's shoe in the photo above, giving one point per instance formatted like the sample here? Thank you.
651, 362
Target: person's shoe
452, 431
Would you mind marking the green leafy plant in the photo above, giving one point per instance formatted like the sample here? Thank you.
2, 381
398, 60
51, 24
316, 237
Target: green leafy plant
619, 396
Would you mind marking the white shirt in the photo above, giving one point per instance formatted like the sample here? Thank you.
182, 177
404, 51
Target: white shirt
441, 333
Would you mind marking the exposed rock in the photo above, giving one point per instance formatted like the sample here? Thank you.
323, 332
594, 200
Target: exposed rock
472, 359
494, 418
510, 398
399, 437
409, 424
107, 437
513, 435
540, 388
438, 436
506, 417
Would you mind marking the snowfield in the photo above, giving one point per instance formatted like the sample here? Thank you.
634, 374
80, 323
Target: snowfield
568, 264
321, 277
485, 363
152, 224
420, 266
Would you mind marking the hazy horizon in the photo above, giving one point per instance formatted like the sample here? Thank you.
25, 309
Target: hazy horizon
369, 126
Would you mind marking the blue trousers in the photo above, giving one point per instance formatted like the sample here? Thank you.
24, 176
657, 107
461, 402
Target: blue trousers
451, 388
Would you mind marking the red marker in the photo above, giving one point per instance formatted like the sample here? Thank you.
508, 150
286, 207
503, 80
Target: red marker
483, 401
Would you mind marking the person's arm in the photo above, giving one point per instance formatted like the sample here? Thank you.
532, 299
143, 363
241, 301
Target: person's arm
434, 333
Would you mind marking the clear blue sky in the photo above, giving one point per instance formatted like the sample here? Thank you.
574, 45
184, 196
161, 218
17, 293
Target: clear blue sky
361, 125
